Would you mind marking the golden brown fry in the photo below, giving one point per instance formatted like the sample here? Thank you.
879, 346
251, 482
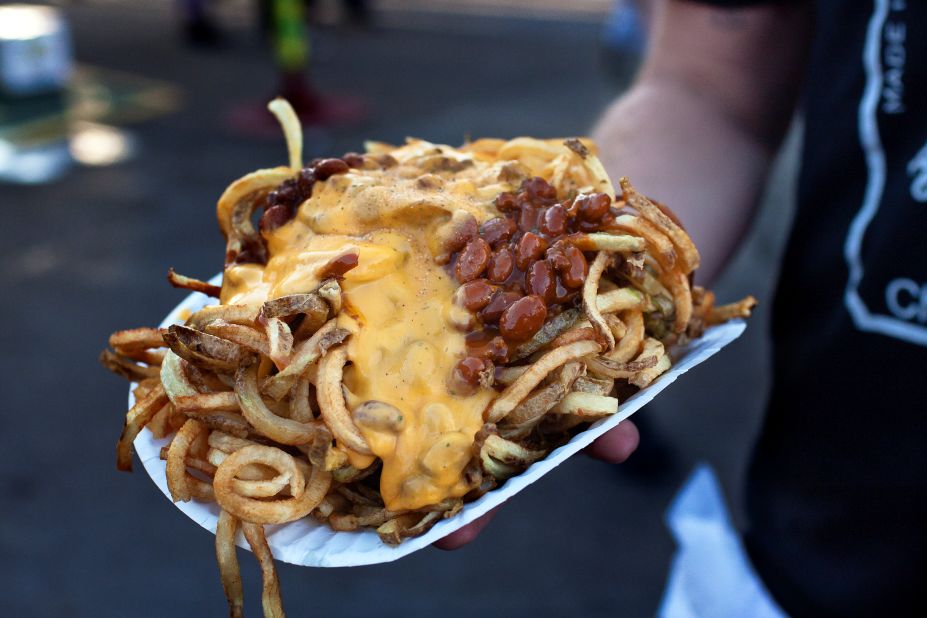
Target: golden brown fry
587, 405
283, 430
332, 404
665, 252
686, 252
551, 329
619, 329
508, 452
207, 402
229, 422
330, 290
507, 375
159, 425
294, 304
126, 368
590, 298
246, 336
521, 387
137, 417
189, 283
536, 405
678, 284
304, 355
175, 381
279, 341
306, 495
645, 377
619, 300
300, 408
577, 333
136, 339
202, 349
270, 592
149, 357
611, 243
594, 386
630, 344
144, 387
741, 309
234, 314
292, 131
182, 485
605, 368
226, 556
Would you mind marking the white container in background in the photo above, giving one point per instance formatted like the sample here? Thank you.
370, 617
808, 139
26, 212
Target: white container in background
35, 50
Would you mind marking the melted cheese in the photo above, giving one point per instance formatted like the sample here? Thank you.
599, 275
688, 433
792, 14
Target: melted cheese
397, 305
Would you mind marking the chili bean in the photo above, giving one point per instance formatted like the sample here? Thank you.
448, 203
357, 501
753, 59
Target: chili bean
497, 231
588, 226
538, 189
593, 207
472, 261
286, 193
338, 266
501, 265
353, 159
306, 179
326, 168
505, 202
540, 280
468, 373
474, 295
501, 301
274, 217
562, 294
455, 234
529, 218
554, 220
523, 318
530, 248
487, 344
556, 257
575, 275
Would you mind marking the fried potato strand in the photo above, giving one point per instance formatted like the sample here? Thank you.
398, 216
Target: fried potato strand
332, 404
270, 593
226, 556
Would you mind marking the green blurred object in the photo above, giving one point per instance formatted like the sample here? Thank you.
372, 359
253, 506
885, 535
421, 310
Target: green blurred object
291, 39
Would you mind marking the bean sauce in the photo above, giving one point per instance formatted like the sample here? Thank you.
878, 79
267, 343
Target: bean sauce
524, 267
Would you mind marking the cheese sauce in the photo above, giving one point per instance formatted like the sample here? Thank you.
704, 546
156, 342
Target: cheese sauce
398, 305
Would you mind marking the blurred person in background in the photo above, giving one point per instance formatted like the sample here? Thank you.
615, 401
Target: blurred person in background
837, 491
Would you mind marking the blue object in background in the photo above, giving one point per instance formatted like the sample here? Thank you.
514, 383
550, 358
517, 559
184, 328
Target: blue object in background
35, 50
624, 32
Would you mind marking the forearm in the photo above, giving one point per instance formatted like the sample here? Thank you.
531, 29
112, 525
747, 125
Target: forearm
681, 150
699, 128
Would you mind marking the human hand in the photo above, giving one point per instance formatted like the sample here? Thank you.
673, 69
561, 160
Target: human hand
612, 447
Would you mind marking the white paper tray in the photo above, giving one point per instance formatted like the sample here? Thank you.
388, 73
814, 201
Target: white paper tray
308, 543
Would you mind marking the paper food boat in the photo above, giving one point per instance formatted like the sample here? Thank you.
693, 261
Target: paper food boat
309, 543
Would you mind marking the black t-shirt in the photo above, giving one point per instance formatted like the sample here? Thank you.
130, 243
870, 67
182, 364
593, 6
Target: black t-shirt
837, 490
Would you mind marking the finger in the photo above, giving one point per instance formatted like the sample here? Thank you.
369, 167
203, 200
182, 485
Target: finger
467, 534
615, 445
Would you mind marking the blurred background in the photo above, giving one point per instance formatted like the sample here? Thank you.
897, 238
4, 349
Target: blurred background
121, 122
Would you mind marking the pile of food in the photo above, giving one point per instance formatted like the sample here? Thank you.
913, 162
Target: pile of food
400, 331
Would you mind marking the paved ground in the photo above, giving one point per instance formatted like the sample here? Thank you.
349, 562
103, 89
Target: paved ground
88, 254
